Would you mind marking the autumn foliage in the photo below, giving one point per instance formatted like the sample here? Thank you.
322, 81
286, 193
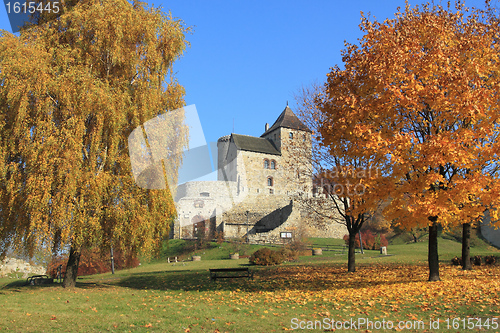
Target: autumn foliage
72, 91
92, 261
418, 97
370, 241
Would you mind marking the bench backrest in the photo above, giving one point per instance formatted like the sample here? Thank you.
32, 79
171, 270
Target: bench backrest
229, 269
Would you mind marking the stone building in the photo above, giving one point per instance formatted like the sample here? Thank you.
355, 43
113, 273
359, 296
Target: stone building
261, 181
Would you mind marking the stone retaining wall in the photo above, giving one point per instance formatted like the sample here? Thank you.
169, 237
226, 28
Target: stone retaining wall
267, 219
19, 266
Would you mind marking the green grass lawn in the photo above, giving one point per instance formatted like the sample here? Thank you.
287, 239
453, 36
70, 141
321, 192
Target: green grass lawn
179, 297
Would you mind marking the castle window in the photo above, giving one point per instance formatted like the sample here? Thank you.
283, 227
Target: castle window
266, 164
199, 204
271, 191
269, 181
290, 135
204, 194
273, 164
304, 138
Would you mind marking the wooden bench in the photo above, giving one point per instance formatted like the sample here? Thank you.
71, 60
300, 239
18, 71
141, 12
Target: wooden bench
226, 273
37, 280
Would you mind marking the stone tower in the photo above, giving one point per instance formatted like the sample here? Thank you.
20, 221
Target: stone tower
278, 162
293, 140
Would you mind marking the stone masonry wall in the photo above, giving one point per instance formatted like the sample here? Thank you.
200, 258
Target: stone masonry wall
268, 218
20, 267
255, 177
489, 231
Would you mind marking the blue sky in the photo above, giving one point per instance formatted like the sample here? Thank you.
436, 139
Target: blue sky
248, 58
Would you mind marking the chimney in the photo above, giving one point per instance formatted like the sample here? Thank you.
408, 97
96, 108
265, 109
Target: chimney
267, 126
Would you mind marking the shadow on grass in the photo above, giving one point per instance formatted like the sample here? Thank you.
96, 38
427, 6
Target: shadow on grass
267, 279
312, 278
15, 284
20, 285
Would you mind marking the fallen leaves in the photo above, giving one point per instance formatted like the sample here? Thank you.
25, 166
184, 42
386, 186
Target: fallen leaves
384, 288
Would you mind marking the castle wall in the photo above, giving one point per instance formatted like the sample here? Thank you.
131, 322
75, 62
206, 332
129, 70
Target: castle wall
222, 148
268, 218
242, 203
297, 156
200, 203
254, 179
263, 215
489, 231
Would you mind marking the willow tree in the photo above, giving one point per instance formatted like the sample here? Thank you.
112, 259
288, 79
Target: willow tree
73, 88
423, 89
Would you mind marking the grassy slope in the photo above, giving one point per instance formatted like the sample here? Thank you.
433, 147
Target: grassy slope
163, 297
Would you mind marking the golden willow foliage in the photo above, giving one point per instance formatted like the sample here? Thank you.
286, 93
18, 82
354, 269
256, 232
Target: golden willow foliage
72, 90
420, 95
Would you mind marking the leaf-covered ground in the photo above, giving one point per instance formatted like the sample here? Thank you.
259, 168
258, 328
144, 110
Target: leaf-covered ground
278, 299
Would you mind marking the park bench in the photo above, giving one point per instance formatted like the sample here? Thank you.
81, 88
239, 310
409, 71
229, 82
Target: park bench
37, 280
224, 273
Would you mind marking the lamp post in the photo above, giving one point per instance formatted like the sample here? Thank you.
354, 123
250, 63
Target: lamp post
112, 262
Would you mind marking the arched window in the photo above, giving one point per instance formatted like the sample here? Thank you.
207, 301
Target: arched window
266, 164
273, 164
269, 181
290, 135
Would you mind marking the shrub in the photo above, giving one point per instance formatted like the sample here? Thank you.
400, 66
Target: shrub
370, 241
477, 260
490, 260
267, 257
219, 237
456, 261
92, 261
290, 254
296, 248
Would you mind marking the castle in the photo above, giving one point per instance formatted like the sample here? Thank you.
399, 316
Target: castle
260, 183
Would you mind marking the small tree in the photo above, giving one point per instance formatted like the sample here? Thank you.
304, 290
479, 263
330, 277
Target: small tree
345, 184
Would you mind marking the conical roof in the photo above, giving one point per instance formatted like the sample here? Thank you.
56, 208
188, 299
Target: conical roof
287, 119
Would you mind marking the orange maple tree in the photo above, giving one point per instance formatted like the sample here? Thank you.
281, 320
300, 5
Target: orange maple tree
421, 91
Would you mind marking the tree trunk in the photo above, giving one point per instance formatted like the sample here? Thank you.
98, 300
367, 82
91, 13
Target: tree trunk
351, 257
433, 256
466, 264
360, 242
415, 239
72, 268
